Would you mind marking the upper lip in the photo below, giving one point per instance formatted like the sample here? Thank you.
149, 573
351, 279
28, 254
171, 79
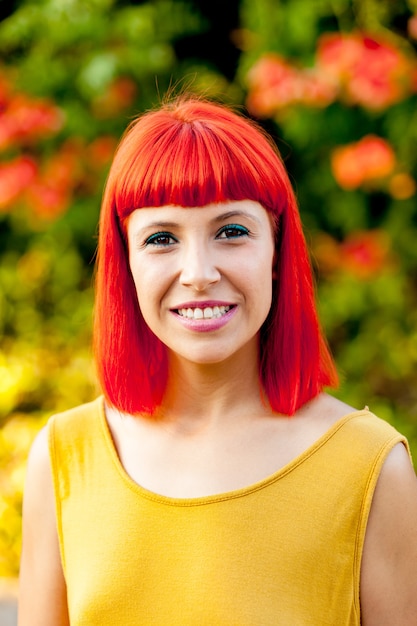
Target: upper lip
201, 305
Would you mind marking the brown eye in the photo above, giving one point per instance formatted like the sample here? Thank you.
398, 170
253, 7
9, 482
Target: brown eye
160, 239
232, 231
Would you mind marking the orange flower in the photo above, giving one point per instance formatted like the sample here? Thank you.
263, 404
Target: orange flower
369, 159
402, 186
326, 253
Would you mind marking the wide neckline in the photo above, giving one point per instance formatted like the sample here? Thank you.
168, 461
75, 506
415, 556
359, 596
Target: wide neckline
227, 495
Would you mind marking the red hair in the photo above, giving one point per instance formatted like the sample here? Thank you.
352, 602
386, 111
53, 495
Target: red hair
190, 153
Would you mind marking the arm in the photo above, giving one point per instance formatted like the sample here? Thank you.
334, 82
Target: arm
389, 563
42, 590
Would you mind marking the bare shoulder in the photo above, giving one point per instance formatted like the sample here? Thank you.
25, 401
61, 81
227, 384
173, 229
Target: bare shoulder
388, 587
41, 588
38, 460
389, 573
39, 496
326, 409
38, 487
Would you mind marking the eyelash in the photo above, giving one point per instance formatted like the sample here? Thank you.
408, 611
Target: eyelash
155, 240
231, 231
237, 229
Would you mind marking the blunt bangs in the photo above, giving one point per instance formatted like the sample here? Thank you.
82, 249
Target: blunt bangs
190, 158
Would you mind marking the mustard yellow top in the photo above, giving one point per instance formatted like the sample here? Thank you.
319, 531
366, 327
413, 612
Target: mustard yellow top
285, 551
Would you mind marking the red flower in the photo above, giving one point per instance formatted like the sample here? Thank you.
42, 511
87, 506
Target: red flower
275, 84
24, 120
365, 253
47, 200
101, 151
15, 178
371, 71
51, 191
337, 54
5, 92
369, 159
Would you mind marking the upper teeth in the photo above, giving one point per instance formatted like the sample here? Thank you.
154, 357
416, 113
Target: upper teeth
206, 313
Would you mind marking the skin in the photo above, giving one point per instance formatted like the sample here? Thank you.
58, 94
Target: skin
202, 257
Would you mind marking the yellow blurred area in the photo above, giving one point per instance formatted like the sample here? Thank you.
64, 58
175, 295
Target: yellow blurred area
15, 440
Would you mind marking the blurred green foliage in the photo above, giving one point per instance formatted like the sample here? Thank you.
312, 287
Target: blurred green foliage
362, 234
74, 73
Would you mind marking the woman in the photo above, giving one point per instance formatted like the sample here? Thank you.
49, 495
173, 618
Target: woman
214, 482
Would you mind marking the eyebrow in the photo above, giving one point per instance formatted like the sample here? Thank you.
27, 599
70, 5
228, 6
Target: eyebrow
236, 213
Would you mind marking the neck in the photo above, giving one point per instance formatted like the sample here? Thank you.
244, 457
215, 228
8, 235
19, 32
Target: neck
207, 393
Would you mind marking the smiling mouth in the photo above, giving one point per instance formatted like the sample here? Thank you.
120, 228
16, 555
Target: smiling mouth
206, 313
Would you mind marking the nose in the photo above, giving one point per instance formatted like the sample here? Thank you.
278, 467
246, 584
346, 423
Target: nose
198, 268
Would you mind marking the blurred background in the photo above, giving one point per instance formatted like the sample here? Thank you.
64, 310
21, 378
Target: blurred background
333, 81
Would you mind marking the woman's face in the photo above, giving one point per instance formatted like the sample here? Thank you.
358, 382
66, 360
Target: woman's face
203, 276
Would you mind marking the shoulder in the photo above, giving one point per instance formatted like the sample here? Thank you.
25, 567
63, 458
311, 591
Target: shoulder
328, 411
389, 575
42, 584
79, 413
75, 424
41, 594
38, 465
395, 493
396, 490
39, 455
388, 582
39, 497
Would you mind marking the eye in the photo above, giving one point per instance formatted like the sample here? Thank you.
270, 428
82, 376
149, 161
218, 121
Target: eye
160, 239
232, 231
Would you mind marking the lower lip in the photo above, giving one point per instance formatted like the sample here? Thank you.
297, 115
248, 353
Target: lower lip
206, 325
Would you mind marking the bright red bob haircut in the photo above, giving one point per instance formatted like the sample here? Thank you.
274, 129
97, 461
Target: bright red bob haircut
190, 153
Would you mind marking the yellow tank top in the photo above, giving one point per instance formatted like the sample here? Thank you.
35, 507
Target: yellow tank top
285, 551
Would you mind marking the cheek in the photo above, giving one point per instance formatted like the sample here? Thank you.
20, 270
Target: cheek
151, 283
269, 275
141, 283
258, 279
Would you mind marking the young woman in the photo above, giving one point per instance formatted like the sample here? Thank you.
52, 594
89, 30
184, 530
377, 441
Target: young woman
214, 482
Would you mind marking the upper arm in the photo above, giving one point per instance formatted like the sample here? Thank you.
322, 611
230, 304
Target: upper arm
389, 562
42, 590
